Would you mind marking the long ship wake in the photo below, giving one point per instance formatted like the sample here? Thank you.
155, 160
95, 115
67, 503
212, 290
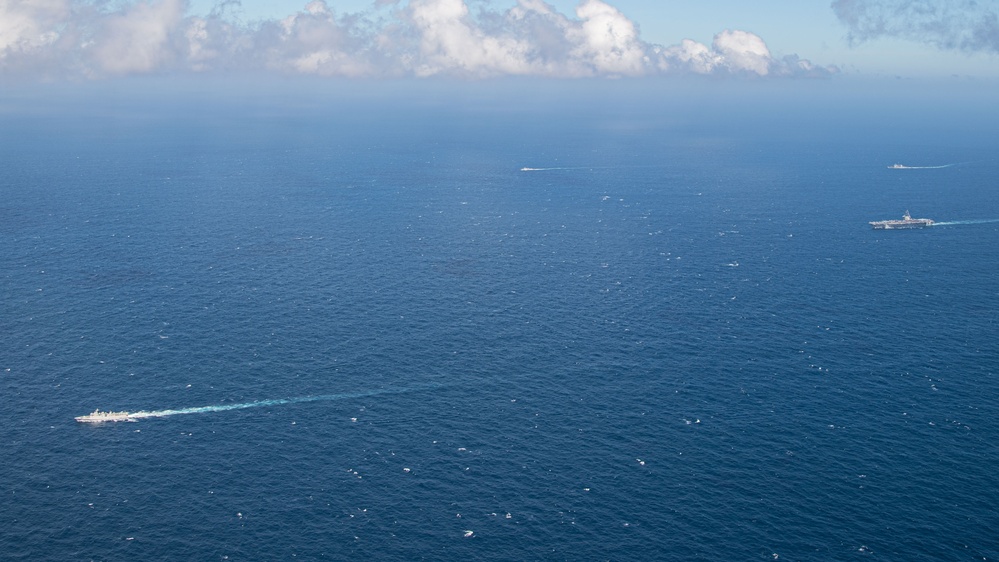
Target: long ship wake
548, 169
981, 221
100, 417
951, 165
525, 169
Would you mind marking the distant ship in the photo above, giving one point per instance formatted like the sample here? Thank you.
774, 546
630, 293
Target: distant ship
906, 222
898, 167
100, 417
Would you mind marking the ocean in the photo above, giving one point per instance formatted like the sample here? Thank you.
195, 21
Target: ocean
460, 333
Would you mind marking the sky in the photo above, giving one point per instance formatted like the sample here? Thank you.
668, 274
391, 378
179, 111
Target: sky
84, 40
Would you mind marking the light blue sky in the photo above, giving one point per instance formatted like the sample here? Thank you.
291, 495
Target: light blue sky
807, 28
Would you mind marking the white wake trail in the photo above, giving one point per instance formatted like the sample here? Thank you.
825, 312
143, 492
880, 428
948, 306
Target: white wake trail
526, 169
547, 169
132, 416
979, 221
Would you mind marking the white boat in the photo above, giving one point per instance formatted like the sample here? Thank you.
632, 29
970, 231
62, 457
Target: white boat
100, 417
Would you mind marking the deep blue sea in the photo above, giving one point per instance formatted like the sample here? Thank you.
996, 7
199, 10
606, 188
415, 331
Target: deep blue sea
662, 342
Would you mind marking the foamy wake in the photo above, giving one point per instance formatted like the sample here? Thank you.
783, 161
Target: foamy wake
276, 402
901, 167
981, 221
526, 169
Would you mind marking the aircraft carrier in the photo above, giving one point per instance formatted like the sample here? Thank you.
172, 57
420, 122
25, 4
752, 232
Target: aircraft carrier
906, 222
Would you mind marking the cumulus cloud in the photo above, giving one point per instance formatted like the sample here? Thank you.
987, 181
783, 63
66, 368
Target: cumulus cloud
608, 39
59, 38
312, 41
27, 26
449, 40
743, 51
967, 25
140, 38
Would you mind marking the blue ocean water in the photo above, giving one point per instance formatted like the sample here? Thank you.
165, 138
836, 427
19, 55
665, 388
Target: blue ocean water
661, 342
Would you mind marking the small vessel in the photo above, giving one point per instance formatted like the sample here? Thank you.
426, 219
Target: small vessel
906, 222
898, 167
100, 417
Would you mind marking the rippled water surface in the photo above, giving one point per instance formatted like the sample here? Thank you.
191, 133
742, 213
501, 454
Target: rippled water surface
399, 345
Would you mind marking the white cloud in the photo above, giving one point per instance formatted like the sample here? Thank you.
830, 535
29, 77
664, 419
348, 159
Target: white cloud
451, 42
36, 36
608, 40
53, 38
30, 24
743, 51
689, 55
311, 42
140, 37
